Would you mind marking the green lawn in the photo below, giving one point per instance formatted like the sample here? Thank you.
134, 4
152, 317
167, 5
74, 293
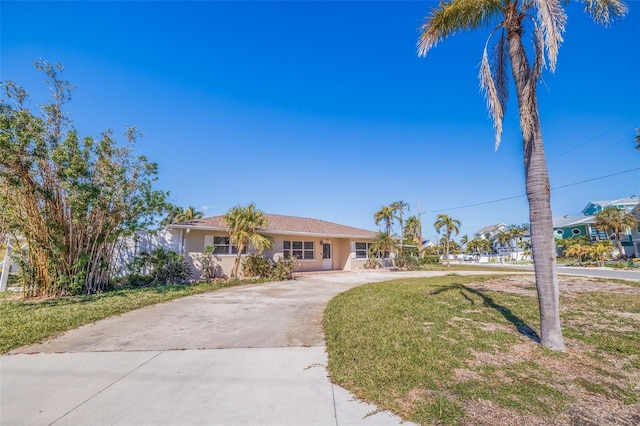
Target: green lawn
441, 350
24, 322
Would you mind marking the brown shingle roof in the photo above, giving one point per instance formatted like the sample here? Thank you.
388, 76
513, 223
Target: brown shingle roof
279, 224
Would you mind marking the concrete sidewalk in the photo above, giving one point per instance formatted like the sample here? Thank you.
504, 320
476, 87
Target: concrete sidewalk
248, 355
262, 386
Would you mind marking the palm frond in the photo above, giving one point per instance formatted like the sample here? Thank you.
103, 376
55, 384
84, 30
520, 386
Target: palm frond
605, 11
500, 69
552, 19
456, 15
488, 87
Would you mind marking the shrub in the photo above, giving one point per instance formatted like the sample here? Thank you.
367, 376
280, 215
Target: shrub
256, 266
406, 262
210, 270
259, 266
430, 260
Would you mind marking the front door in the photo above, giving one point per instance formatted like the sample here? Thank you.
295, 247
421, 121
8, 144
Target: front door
326, 256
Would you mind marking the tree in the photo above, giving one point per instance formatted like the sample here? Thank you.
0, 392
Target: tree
243, 225
578, 251
617, 221
70, 199
413, 231
637, 138
399, 207
510, 18
179, 214
381, 245
450, 226
386, 215
601, 251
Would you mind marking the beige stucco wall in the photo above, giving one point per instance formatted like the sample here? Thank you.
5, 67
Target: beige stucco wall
342, 256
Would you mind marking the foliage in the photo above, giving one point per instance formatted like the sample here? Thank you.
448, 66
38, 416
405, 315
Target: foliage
386, 214
166, 266
255, 265
209, 268
178, 214
382, 245
448, 225
243, 224
259, 266
70, 198
406, 262
429, 260
616, 221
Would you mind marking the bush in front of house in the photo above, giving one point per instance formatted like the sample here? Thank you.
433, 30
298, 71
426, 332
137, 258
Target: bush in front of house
430, 260
406, 262
259, 266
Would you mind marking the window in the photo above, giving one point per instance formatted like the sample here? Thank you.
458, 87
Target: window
362, 250
221, 245
303, 250
576, 231
559, 232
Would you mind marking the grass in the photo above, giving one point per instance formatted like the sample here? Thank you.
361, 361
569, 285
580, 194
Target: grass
432, 349
464, 267
25, 322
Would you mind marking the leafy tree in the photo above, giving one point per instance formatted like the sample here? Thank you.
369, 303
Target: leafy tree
616, 221
69, 198
510, 19
449, 225
243, 225
386, 214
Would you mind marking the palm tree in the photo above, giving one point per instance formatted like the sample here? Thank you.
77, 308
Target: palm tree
638, 138
413, 231
601, 251
616, 220
179, 214
547, 20
399, 207
386, 215
450, 226
578, 251
243, 224
383, 243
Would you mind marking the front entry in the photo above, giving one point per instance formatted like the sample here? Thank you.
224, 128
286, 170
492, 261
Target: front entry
326, 257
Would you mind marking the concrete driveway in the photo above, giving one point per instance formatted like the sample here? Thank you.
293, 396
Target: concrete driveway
245, 355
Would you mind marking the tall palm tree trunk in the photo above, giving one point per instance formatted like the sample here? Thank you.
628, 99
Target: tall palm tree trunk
537, 189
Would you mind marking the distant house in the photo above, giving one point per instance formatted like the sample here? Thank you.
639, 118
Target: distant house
489, 233
575, 226
316, 244
627, 203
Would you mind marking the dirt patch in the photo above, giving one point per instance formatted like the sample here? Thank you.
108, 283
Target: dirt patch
602, 389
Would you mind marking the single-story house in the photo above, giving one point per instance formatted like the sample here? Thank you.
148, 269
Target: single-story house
576, 226
316, 244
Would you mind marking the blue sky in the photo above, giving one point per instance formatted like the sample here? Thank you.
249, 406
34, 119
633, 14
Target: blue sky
323, 109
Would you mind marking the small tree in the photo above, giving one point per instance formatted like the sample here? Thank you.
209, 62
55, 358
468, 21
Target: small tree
243, 225
449, 225
617, 221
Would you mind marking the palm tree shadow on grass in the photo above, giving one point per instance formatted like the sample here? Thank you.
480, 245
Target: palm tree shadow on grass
522, 327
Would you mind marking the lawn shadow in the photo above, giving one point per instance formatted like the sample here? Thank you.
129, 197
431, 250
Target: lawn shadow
522, 327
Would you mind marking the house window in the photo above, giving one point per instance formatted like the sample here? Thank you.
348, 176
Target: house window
221, 245
361, 250
576, 231
302, 250
559, 232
